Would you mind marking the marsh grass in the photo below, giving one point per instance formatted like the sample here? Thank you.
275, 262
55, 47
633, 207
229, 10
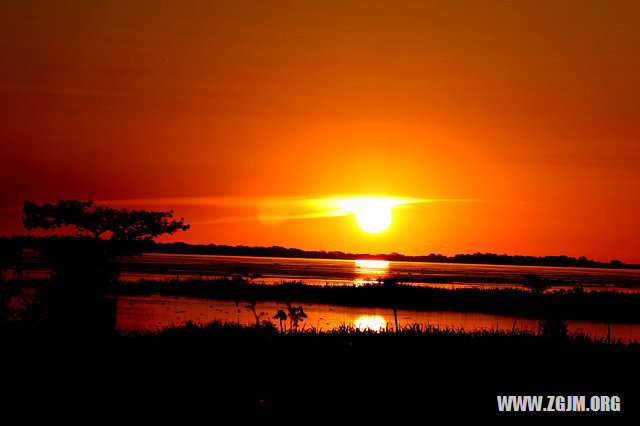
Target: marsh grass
573, 304
416, 334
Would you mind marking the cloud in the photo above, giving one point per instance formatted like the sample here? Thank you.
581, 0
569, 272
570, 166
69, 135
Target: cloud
277, 210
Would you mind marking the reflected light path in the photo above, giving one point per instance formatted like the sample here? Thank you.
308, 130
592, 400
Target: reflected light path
156, 312
369, 271
371, 322
367, 265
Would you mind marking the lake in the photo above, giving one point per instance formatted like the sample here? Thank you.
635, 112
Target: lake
156, 312
152, 312
340, 272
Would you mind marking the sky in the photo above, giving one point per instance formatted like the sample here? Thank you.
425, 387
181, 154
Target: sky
516, 121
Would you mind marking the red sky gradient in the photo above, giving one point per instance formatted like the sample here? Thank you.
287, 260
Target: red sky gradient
523, 115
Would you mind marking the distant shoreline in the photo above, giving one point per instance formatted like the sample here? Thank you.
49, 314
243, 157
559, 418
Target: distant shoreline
29, 242
477, 258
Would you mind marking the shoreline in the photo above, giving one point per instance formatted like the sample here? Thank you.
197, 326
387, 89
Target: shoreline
602, 306
478, 258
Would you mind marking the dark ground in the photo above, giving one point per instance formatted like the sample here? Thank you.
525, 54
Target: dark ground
77, 372
196, 379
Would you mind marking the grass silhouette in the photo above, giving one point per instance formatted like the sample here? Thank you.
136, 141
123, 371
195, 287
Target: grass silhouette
267, 370
417, 336
573, 304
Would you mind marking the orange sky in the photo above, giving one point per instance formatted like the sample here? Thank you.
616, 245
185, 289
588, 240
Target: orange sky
524, 116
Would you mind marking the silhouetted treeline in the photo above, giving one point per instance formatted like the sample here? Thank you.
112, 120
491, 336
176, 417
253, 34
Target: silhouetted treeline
477, 258
35, 243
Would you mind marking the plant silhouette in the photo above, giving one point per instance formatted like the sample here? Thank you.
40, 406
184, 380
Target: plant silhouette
84, 266
296, 314
94, 221
252, 307
534, 283
282, 317
552, 328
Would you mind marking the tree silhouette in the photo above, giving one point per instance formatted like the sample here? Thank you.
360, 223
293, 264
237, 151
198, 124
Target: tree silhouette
85, 267
94, 221
8, 257
534, 283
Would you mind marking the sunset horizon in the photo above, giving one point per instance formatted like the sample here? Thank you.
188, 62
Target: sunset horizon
523, 126
275, 214
299, 209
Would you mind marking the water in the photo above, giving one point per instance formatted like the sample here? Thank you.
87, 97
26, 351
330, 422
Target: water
329, 271
153, 312
156, 312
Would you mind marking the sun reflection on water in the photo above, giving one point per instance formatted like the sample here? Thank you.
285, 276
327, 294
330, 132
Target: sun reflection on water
368, 271
371, 322
372, 265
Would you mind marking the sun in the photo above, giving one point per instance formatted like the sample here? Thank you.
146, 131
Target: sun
373, 215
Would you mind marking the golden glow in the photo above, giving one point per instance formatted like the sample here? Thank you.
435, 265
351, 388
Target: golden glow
371, 322
369, 271
373, 214
254, 140
373, 219
372, 265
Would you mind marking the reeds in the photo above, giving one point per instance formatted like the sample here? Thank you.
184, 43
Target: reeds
410, 333
568, 305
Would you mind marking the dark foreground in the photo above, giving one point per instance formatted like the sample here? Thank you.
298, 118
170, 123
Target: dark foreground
201, 375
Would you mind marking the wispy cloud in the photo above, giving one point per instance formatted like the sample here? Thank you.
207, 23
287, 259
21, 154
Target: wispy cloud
273, 210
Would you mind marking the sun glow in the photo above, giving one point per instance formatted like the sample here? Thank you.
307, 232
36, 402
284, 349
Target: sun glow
371, 322
374, 219
372, 265
373, 214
